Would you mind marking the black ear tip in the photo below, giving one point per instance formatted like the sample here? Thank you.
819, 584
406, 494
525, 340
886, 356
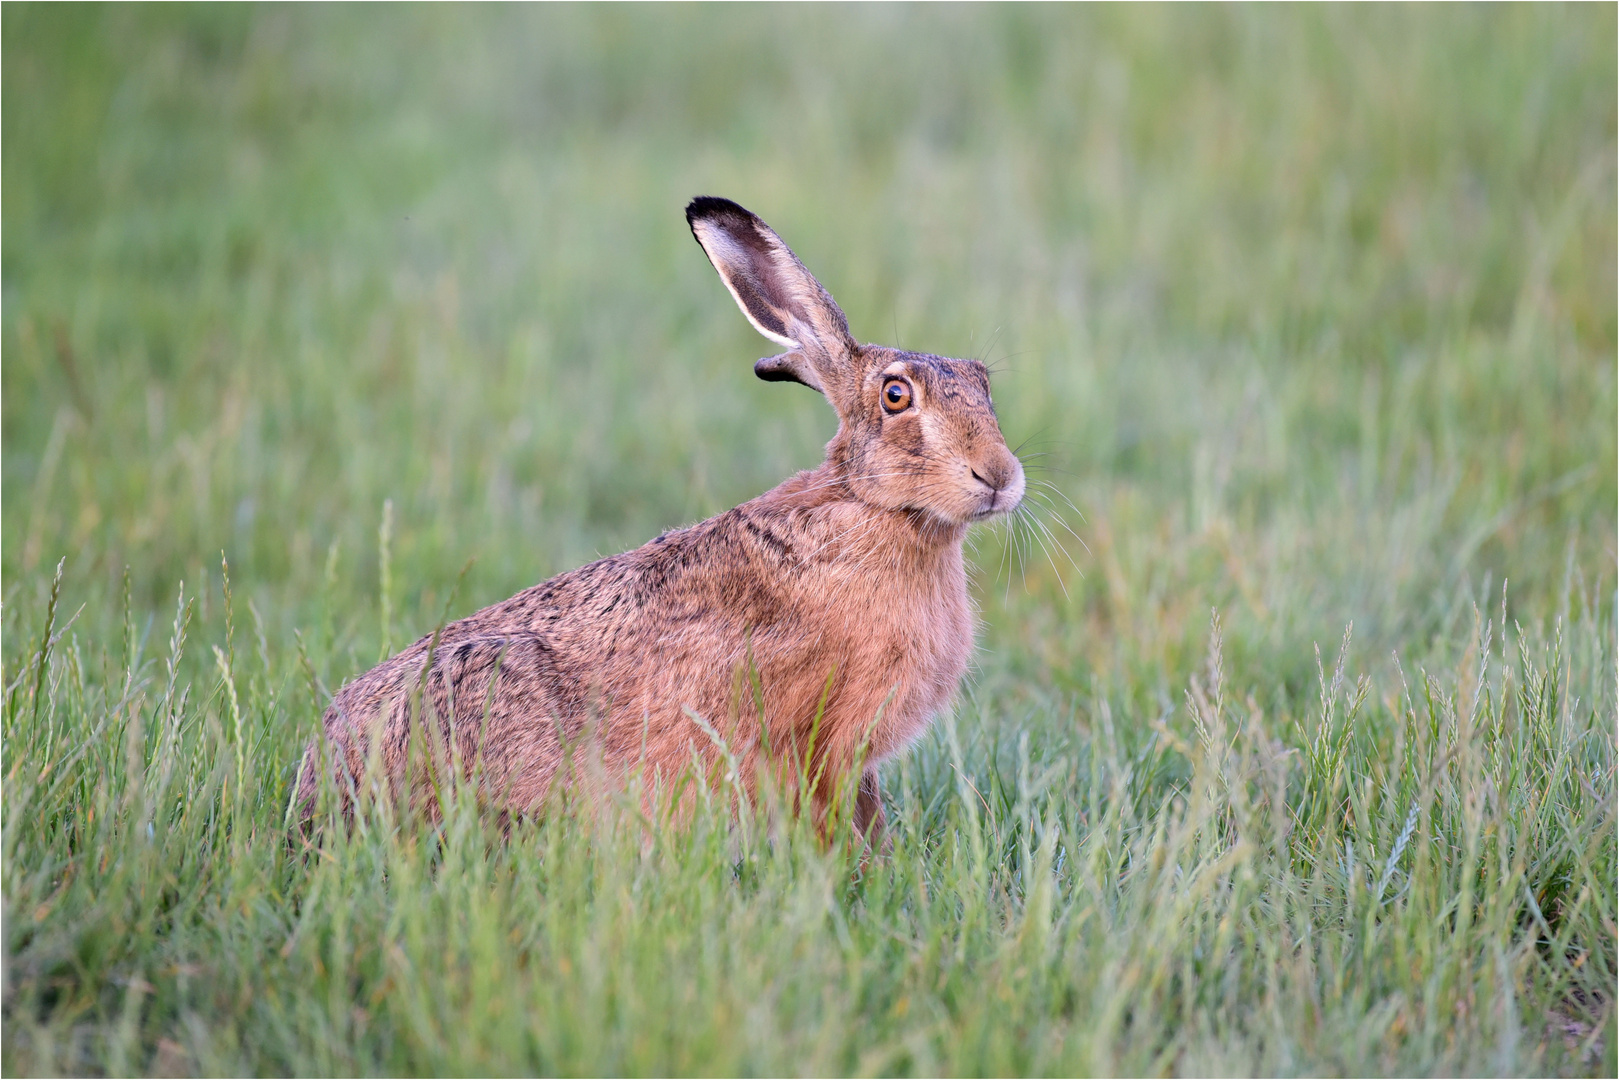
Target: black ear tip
709, 206
777, 369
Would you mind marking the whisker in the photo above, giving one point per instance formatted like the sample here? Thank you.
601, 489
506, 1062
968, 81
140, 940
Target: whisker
988, 345
865, 526
840, 480
1057, 491
1021, 528
1018, 450
1055, 569
1010, 552
997, 366
1049, 468
1006, 546
1058, 518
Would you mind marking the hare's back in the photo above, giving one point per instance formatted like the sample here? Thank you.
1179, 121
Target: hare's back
493, 702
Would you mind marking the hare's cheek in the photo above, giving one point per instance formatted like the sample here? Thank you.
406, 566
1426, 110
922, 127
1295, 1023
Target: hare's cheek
906, 434
926, 435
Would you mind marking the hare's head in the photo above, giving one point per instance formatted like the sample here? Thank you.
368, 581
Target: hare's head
915, 432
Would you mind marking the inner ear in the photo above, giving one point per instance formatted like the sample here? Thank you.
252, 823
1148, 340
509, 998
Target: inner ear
787, 367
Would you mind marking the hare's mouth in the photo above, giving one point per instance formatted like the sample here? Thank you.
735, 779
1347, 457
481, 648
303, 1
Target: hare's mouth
995, 503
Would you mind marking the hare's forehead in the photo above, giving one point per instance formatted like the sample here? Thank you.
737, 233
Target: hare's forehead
939, 376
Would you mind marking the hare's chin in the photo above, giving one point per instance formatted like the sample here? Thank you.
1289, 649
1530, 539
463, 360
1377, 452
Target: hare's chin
996, 508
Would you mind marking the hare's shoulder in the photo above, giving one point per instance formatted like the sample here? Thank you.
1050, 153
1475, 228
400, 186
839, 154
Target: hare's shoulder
598, 593
768, 534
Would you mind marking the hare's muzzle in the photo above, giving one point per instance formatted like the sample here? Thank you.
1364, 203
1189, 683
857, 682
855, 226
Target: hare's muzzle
999, 482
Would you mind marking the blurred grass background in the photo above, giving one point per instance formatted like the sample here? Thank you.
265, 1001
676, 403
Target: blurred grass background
1310, 313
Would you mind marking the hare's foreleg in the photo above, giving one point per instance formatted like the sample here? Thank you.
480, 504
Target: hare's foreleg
870, 821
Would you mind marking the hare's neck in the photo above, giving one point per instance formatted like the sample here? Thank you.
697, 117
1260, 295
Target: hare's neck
915, 529
927, 532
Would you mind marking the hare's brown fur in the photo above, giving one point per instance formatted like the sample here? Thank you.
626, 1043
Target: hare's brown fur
844, 585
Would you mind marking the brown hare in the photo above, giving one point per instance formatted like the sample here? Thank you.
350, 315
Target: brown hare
838, 600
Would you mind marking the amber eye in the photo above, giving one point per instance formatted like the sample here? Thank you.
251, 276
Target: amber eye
896, 395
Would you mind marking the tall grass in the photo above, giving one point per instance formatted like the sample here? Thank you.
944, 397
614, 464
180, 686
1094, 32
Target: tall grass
1410, 877
1305, 318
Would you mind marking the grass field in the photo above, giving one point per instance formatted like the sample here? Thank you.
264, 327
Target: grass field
1305, 319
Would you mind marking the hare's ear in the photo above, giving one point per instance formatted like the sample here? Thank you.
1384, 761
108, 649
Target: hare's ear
781, 299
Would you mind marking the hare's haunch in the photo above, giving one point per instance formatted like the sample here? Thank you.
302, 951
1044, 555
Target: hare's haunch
841, 593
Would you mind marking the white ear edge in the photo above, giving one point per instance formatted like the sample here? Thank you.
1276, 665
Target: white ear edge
777, 338
714, 241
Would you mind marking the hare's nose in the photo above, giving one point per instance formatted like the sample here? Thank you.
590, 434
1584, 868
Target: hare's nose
993, 476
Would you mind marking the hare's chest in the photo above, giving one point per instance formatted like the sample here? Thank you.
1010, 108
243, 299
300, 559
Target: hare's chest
914, 646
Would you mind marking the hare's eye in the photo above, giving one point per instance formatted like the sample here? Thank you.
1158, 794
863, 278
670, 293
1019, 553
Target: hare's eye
896, 395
